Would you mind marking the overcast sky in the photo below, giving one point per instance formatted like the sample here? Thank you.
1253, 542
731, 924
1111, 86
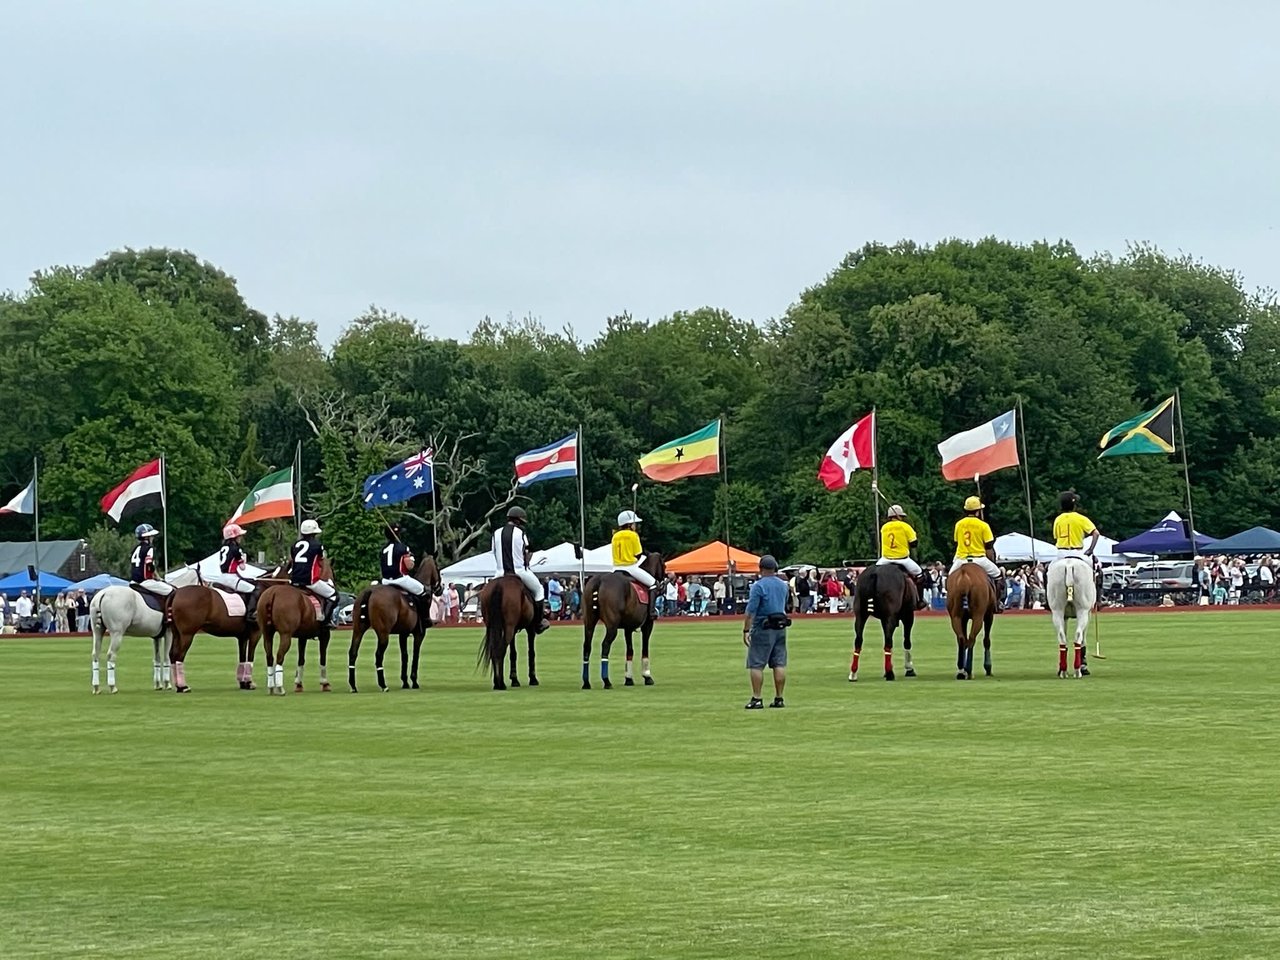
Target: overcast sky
575, 160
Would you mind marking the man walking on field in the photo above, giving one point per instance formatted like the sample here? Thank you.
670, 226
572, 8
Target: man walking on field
764, 632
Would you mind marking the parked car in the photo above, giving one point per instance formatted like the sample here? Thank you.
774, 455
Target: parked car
1179, 574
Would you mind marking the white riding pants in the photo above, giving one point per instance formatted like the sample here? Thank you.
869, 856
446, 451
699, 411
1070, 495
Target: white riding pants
157, 586
532, 582
906, 563
984, 562
322, 589
407, 583
641, 576
232, 581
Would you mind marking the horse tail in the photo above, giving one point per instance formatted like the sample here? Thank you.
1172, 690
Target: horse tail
493, 644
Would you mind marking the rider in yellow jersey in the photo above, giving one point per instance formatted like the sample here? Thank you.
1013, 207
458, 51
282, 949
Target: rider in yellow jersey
628, 554
1070, 529
975, 543
896, 540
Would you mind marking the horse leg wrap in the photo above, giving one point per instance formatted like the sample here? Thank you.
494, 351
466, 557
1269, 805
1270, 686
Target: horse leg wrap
278, 675
240, 672
1062, 656
626, 670
604, 668
111, 673
888, 661
324, 673
96, 675
167, 672
853, 664
586, 671
179, 675
1079, 656
644, 666
155, 674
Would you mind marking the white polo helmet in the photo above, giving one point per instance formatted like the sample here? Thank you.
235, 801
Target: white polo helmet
308, 528
897, 511
627, 516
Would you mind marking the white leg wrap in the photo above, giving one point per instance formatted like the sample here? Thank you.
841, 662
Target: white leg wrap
644, 666
627, 669
155, 671
95, 673
279, 676
167, 672
111, 673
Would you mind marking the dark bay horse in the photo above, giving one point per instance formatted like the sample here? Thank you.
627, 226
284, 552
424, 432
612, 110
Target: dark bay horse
611, 599
507, 609
888, 594
289, 610
201, 608
387, 610
971, 604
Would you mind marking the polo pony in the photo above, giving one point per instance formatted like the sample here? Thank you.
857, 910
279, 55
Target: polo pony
888, 594
614, 599
386, 610
971, 604
123, 611
1071, 592
507, 609
294, 613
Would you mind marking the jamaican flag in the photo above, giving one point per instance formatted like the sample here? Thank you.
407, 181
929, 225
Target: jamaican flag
1150, 432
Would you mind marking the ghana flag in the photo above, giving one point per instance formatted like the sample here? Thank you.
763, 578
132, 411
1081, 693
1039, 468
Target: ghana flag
1150, 432
691, 456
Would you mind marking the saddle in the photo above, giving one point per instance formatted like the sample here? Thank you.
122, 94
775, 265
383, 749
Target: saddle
638, 588
233, 601
154, 601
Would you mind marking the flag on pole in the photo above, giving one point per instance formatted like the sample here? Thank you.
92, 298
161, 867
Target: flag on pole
1150, 432
992, 446
694, 455
555, 460
402, 482
141, 489
24, 502
270, 499
853, 450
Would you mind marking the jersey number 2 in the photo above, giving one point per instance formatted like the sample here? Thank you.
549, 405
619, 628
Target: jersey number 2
299, 552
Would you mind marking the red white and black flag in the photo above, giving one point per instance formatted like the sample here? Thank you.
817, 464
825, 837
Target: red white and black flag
141, 489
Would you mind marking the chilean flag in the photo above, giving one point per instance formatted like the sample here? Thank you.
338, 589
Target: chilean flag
992, 446
855, 449
555, 460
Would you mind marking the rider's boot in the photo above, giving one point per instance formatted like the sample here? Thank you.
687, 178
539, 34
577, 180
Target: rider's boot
540, 612
997, 587
326, 609
422, 602
921, 602
251, 604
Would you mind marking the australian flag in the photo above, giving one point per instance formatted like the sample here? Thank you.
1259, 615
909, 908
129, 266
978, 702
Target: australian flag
402, 482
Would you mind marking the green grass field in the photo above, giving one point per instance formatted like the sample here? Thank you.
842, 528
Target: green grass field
1129, 814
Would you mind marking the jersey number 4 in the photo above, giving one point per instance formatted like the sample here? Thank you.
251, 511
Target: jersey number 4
136, 559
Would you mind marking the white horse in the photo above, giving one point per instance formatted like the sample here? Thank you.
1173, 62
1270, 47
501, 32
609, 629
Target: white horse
1071, 593
121, 612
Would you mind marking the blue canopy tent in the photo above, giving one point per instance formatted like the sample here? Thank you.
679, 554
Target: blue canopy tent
100, 582
1254, 540
50, 583
1166, 538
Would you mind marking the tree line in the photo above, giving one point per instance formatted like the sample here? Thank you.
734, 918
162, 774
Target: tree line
155, 351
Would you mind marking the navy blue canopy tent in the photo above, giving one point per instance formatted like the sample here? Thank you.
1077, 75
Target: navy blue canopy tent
1166, 538
1253, 540
50, 583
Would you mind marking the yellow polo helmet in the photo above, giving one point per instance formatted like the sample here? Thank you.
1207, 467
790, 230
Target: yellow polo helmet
973, 503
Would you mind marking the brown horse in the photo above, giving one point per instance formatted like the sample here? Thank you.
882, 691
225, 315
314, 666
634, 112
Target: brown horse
198, 608
971, 603
611, 599
389, 610
507, 609
290, 611
884, 591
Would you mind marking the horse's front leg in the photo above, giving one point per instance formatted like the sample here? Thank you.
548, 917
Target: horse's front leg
588, 632
533, 664
908, 624
859, 625
379, 660
610, 635
301, 667
645, 630
986, 644
513, 678
418, 637
890, 624
325, 635
404, 661
627, 679
1060, 626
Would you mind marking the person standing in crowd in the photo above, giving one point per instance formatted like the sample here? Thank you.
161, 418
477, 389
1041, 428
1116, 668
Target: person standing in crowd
22, 608
671, 598
1266, 579
764, 633
717, 594
804, 592
82, 612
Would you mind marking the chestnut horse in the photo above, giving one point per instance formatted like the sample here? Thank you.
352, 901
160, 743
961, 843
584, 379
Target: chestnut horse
389, 610
888, 594
507, 609
611, 599
198, 608
971, 604
289, 610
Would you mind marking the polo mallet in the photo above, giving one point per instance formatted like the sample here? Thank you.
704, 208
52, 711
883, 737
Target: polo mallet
1097, 642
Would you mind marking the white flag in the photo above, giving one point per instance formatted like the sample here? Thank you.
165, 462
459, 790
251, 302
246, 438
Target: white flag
25, 502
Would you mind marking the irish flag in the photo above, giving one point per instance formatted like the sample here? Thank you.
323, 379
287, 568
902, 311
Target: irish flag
992, 446
271, 498
691, 456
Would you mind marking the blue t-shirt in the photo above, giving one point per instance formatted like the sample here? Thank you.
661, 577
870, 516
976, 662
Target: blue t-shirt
768, 596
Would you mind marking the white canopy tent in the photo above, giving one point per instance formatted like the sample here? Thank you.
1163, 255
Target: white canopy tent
1018, 547
560, 559
186, 574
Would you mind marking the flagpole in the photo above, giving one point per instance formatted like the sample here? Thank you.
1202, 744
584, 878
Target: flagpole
164, 506
724, 476
35, 508
1186, 472
582, 518
297, 484
1026, 481
875, 479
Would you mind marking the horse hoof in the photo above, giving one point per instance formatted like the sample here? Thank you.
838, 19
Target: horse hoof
533, 682
988, 669
251, 685
496, 687
1084, 671
888, 675
297, 688
414, 686
853, 678
910, 672
648, 681
96, 691
354, 690
585, 685
629, 682
514, 683
608, 685
960, 675
1062, 674
113, 690
181, 689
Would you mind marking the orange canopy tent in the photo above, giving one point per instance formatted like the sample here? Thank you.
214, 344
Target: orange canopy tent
714, 558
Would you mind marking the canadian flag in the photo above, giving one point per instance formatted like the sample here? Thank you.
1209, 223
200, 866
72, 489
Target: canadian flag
855, 449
